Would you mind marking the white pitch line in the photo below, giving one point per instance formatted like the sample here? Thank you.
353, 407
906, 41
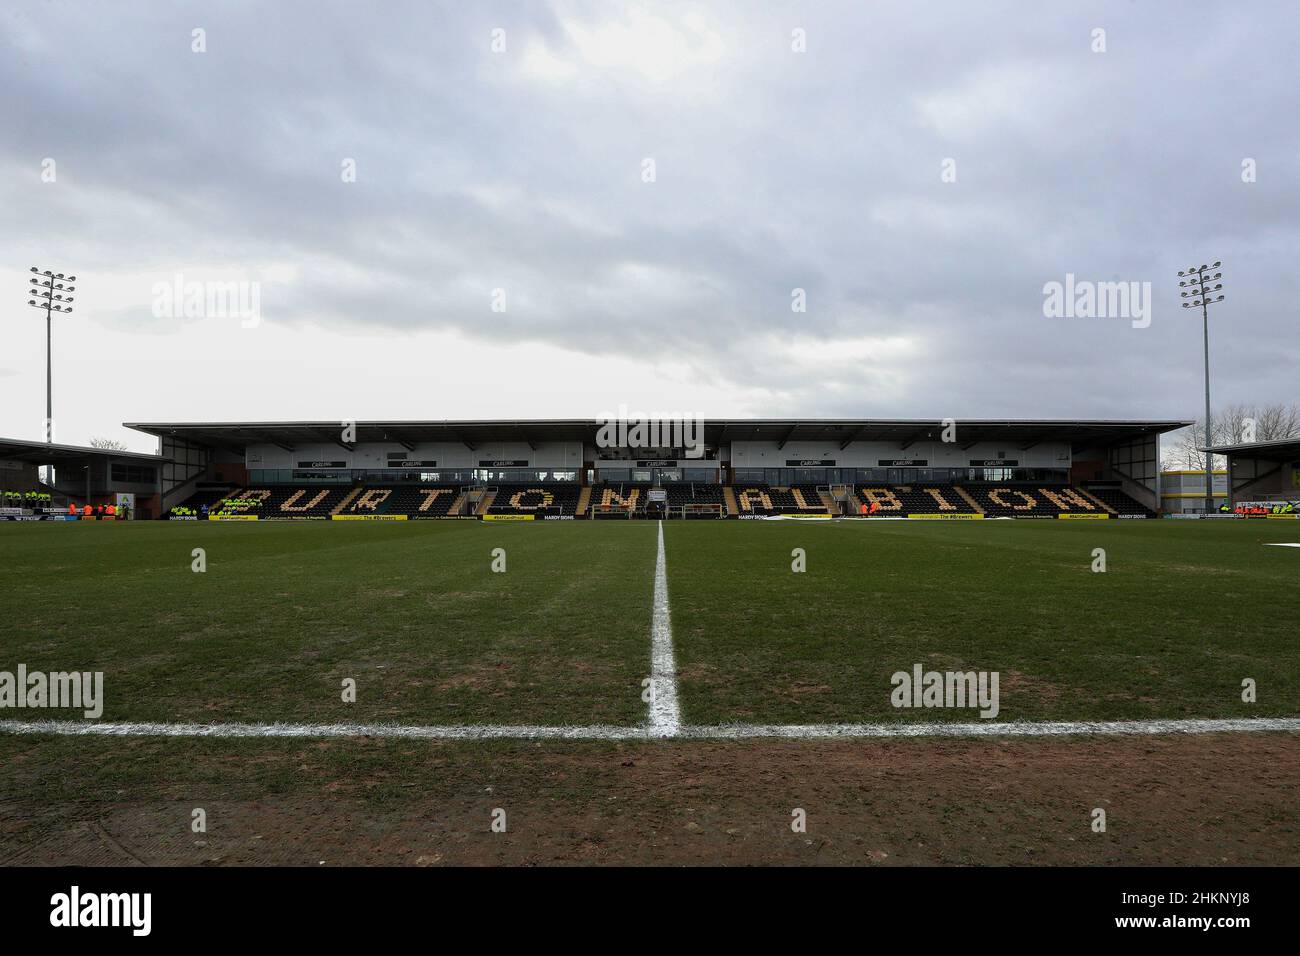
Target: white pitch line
665, 713
1045, 728
71, 728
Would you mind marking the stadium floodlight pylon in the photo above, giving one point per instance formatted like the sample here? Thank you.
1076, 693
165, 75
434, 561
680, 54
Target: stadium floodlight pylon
1197, 290
51, 291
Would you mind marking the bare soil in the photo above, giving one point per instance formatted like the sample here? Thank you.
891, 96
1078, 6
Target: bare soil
1180, 800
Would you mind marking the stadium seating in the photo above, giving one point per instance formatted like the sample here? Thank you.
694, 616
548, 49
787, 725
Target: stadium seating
924, 499
758, 498
1118, 500
423, 501
244, 501
310, 502
995, 499
1031, 500
539, 499
618, 497
682, 493
281, 502
207, 496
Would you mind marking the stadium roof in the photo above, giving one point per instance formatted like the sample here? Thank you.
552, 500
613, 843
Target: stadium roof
43, 453
475, 433
1281, 449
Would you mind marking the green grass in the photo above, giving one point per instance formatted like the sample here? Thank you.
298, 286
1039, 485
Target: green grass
1184, 612
287, 610
412, 612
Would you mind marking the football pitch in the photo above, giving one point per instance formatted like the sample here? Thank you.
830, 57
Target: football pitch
286, 615
559, 634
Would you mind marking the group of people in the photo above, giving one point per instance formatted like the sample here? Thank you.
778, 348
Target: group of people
26, 499
108, 510
184, 511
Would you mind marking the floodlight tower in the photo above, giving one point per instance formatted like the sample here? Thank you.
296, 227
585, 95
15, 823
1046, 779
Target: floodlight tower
1197, 289
51, 291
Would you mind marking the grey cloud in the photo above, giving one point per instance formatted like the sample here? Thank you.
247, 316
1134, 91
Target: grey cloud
776, 171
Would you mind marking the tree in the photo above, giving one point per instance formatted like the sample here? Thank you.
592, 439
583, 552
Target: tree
1232, 425
110, 443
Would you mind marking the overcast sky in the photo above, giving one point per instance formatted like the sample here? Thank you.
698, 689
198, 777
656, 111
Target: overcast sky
524, 170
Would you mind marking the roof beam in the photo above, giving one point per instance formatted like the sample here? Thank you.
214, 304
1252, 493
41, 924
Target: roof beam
780, 445
456, 436
857, 433
912, 439
332, 439
400, 439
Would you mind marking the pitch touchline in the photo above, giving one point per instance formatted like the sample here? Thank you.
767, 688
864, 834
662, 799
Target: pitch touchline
609, 732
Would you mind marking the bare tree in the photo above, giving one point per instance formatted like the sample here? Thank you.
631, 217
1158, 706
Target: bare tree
110, 443
1277, 421
1230, 426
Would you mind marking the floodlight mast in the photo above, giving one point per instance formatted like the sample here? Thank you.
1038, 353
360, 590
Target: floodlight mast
50, 291
1197, 290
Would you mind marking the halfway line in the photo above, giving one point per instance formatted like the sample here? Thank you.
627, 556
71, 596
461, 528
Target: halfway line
665, 713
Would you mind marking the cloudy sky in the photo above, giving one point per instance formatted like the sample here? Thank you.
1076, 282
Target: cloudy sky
562, 207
